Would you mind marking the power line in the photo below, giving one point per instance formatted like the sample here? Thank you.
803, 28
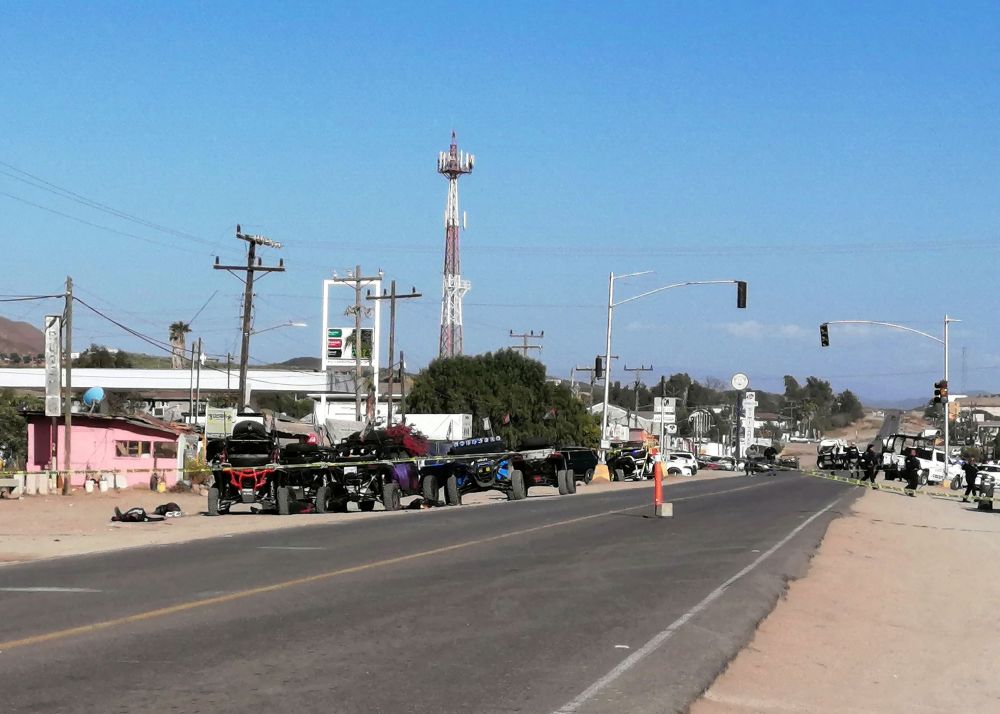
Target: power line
40, 183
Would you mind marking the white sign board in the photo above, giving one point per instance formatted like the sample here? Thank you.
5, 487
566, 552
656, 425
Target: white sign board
740, 381
337, 351
53, 367
671, 428
665, 405
750, 398
219, 422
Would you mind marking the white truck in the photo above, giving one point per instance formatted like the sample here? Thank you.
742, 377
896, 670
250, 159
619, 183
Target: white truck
896, 447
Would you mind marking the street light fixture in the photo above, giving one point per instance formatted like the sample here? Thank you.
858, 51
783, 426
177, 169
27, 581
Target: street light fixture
824, 332
741, 296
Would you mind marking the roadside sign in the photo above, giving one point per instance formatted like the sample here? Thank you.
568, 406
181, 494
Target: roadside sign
671, 428
750, 398
740, 381
664, 405
219, 422
53, 368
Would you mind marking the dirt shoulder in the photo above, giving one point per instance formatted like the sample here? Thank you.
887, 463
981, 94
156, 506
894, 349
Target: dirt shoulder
896, 614
52, 526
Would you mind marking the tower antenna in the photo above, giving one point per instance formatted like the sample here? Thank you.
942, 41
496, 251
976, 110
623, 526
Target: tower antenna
452, 164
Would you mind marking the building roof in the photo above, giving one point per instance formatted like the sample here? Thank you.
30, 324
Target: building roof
142, 420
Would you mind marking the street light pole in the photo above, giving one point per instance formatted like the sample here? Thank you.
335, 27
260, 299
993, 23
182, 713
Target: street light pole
740, 303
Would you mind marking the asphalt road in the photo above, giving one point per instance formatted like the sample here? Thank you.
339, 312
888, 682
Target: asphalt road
890, 425
575, 603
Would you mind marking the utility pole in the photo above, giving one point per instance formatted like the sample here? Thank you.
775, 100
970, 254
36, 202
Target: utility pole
525, 346
591, 371
635, 388
402, 387
68, 401
254, 265
197, 384
358, 280
392, 297
191, 387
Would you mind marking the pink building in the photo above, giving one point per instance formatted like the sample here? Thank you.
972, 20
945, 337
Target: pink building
109, 443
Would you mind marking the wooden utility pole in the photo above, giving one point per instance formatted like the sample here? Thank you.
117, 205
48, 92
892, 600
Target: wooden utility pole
525, 346
402, 387
635, 388
358, 280
392, 297
68, 397
253, 266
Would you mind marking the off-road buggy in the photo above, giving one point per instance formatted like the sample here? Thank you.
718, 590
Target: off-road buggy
482, 464
378, 465
243, 467
543, 465
630, 462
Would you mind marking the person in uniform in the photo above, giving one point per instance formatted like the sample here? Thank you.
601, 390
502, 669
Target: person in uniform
971, 471
911, 472
869, 465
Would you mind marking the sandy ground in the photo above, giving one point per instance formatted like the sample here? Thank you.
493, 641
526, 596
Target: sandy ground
896, 614
860, 433
53, 526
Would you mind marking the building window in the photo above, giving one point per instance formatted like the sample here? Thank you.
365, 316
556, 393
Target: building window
133, 448
165, 449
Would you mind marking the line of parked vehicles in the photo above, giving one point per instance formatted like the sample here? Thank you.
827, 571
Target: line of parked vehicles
380, 466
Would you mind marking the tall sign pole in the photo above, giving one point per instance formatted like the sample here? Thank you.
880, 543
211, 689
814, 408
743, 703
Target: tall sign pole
68, 404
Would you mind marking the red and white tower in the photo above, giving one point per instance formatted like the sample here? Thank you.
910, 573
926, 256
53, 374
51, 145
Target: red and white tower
452, 163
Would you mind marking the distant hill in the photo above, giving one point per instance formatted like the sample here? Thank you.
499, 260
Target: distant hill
20, 338
300, 363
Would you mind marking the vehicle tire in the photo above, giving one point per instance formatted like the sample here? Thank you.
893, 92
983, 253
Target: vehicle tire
213, 501
957, 483
322, 496
429, 489
674, 471
366, 506
452, 496
589, 476
561, 482
518, 491
922, 478
282, 498
619, 475
390, 496
570, 481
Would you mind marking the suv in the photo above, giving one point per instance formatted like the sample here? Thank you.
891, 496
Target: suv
581, 461
686, 457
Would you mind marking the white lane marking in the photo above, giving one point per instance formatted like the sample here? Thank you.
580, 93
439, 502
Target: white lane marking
657, 640
290, 547
45, 589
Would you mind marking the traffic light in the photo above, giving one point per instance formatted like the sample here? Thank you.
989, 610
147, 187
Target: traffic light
741, 294
939, 387
944, 390
598, 367
824, 335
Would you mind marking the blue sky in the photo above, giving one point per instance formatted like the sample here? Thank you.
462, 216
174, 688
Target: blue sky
841, 157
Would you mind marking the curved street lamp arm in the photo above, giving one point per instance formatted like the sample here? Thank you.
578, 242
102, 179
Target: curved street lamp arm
675, 285
885, 324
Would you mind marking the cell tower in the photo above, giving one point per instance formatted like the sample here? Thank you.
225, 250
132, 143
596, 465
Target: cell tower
452, 163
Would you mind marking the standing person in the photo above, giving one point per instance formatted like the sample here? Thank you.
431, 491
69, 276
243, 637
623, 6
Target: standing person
911, 472
869, 464
851, 459
971, 471
747, 465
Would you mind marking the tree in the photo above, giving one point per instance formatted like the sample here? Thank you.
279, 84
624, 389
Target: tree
99, 357
178, 332
14, 427
508, 389
15, 358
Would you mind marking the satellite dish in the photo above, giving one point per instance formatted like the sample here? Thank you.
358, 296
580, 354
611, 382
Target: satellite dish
92, 397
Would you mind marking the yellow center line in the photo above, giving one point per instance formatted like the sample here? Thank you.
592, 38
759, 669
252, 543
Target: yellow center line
263, 589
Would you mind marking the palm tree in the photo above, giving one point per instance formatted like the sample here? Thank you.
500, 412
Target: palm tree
177, 332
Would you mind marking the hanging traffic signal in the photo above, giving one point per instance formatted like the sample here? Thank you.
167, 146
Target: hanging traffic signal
598, 367
741, 294
938, 388
824, 335
944, 390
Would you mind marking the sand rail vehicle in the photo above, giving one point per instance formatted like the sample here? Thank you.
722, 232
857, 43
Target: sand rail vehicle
377, 465
541, 464
480, 464
630, 461
243, 467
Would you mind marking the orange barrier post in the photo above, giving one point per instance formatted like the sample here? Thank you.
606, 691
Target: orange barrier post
660, 509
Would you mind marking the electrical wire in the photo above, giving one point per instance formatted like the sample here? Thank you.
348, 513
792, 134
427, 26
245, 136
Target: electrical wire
40, 183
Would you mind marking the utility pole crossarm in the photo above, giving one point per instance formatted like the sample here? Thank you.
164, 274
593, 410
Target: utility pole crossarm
675, 285
886, 324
